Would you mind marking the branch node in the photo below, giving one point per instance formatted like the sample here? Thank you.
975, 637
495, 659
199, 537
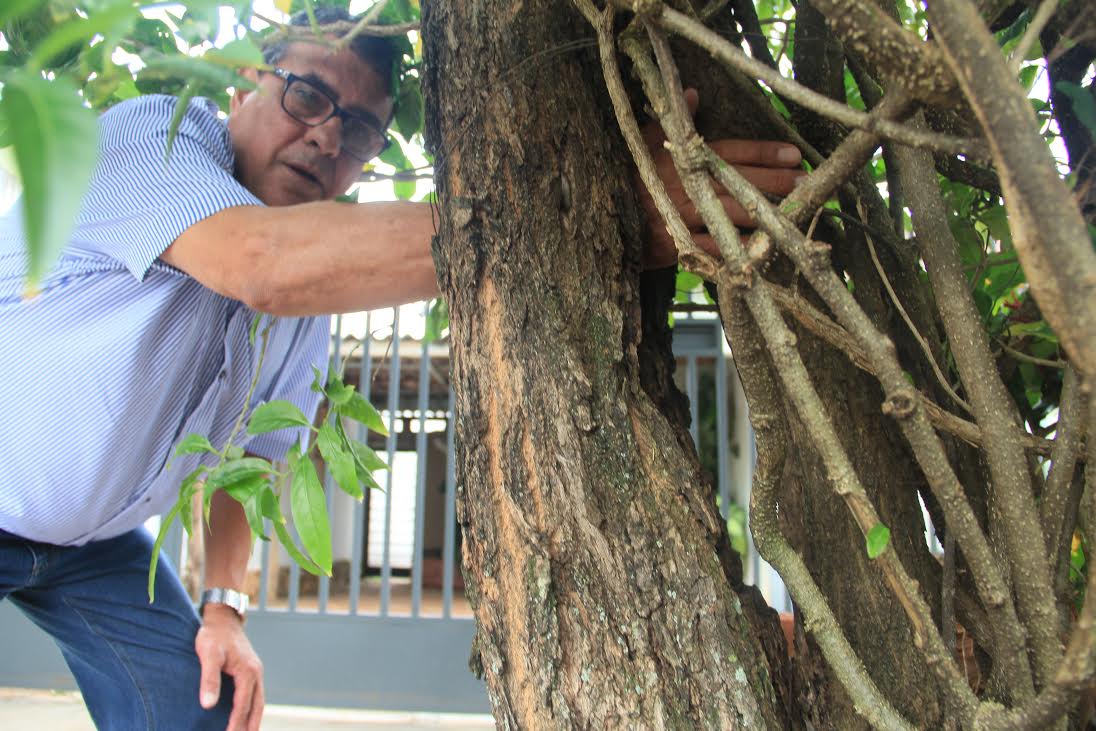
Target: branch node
648, 9
818, 253
901, 404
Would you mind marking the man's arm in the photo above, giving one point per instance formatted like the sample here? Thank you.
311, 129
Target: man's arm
221, 644
313, 258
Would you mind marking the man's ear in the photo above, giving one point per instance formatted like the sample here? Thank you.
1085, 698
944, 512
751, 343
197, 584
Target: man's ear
240, 94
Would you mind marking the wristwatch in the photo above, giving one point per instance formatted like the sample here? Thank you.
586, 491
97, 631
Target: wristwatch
231, 598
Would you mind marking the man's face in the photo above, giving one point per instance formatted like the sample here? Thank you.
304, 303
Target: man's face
283, 161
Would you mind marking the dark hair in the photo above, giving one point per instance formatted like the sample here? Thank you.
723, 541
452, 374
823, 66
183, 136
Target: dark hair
378, 52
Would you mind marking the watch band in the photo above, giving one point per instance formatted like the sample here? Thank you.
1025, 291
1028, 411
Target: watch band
231, 598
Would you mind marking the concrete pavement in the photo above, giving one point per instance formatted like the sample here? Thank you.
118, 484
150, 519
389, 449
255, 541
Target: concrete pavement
43, 710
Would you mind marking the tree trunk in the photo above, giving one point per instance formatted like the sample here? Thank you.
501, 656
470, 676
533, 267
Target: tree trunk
593, 551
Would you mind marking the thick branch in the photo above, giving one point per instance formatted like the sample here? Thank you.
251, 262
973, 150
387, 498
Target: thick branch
767, 418
992, 406
813, 261
1078, 669
1049, 233
689, 155
900, 57
724, 51
1067, 447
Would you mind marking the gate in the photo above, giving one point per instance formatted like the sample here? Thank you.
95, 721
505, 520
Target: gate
391, 629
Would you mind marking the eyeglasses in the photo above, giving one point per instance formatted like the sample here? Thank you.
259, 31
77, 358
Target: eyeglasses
363, 136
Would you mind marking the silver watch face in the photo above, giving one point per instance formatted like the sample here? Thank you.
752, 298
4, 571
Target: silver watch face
229, 597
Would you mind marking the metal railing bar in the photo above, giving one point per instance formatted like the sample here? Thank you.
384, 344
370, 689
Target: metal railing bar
393, 407
692, 389
722, 435
365, 387
328, 482
294, 585
420, 474
264, 567
448, 549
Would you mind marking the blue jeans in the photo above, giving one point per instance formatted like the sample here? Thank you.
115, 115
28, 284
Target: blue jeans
134, 661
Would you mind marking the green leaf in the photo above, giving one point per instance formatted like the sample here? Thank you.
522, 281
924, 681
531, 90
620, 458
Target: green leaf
878, 539
13, 9
397, 11
270, 506
251, 500
234, 452
203, 74
361, 411
409, 107
295, 553
254, 328
241, 53
309, 507
181, 104
165, 526
366, 461
339, 460
194, 444
238, 470
113, 20
1084, 106
245, 488
404, 189
437, 321
274, 415
338, 393
394, 156
186, 494
55, 138
317, 380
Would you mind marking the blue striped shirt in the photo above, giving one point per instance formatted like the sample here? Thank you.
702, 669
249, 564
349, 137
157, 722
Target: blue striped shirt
120, 356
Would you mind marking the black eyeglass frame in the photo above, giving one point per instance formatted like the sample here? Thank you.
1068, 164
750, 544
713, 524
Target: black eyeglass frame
336, 111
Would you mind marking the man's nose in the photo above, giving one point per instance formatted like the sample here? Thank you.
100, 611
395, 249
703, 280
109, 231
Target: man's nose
327, 137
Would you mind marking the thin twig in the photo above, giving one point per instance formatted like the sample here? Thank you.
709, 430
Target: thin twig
836, 336
1059, 364
1035, 27
909, 323
689, 254
726, 52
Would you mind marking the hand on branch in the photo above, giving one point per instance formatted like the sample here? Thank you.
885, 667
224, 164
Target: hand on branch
771, 166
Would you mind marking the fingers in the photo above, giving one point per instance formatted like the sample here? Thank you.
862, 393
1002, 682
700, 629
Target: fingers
209, 687
757, 152
258, 702
776, 181
692, 100
241, 703
248, 700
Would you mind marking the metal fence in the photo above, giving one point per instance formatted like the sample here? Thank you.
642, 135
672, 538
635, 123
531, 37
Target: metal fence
391, 629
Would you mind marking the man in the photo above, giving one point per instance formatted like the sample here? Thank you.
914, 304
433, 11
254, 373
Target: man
140, 336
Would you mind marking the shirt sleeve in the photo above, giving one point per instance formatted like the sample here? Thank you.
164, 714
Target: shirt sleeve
294, 346
140, 198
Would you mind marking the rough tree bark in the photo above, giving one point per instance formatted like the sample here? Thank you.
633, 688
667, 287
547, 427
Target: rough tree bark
599, 575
